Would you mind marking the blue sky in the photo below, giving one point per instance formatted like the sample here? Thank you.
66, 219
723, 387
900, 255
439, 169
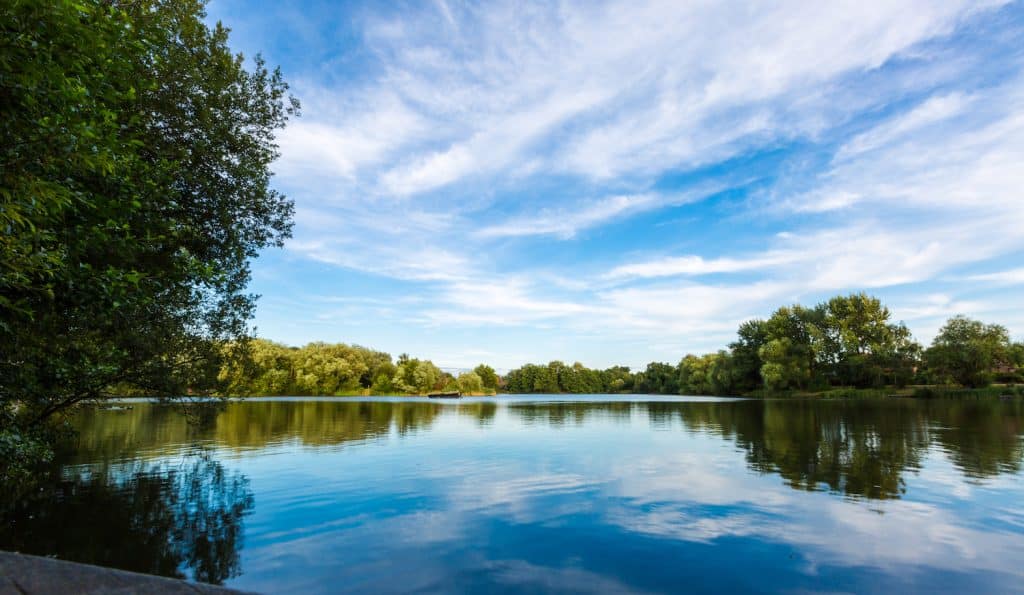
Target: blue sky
621, 182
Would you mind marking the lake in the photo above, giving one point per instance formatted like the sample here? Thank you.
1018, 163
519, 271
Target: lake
544, 493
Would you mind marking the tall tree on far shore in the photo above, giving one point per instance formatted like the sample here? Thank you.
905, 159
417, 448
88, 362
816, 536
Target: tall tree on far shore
792, 348
470, 382
966, 351
747, 362
488, 376
861, 346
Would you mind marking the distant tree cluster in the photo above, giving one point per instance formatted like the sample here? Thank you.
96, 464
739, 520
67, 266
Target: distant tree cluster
324, 369
557, 377
847, 341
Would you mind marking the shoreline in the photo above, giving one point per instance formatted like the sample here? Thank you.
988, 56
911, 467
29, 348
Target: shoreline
908, 392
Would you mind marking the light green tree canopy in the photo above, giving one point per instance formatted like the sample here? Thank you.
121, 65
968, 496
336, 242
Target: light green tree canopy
470, 382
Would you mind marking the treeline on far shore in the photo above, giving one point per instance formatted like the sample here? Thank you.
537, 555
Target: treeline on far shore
324, 369
848, 341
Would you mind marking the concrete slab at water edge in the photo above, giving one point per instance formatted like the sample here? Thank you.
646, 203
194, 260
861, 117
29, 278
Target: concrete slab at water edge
32, 575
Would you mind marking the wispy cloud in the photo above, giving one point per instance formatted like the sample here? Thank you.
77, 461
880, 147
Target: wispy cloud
1007, 277
695, 265
566, 223
929, 113
511, 164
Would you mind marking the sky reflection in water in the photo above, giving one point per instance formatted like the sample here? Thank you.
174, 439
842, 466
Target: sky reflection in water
516, 494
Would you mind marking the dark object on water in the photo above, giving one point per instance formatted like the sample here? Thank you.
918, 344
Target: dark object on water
449, 395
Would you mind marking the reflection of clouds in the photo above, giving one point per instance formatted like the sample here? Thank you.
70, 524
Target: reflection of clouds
513, 506
1011, 517
352, 558
942, 477
480, 493
698, 477
427, 527
683, 525
703, 494
521, 499
908, 534
887, 535
522, 575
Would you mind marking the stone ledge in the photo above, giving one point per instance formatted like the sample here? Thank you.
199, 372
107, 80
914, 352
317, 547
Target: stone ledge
32, 575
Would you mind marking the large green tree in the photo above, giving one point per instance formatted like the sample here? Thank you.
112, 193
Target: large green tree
790, 353
861, 347
746, 354
658, 378
488, 376
417, 376
966, 351
470, 382
134, 190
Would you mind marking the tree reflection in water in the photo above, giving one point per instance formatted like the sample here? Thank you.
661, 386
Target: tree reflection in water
859, 448
185, 518
181, 519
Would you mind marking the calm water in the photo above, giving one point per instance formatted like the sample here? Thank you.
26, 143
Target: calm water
545, 494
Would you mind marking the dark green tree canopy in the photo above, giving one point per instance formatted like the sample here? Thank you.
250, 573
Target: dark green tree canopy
965, 351
135, 188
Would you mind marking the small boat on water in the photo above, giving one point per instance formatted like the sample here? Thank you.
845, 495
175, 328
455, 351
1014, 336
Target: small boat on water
448, 395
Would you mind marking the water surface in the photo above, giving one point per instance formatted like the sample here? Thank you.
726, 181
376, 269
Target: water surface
544, 493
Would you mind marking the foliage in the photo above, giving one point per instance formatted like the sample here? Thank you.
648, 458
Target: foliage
965, 351
862, 346
135, 188
746, 354
488, 376
1016, 355
711, 374
790, 354
313, 370
556, 377
415, 376
846, 342
660, 378
470, 382
325, 369
24, 450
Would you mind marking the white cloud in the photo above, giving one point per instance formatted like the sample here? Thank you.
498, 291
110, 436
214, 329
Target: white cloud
329, 142
475, 126
502, 302
931, 111
566, 223
732, 81
926, 160
1007, 277
696, 265
427, 263
634, 87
